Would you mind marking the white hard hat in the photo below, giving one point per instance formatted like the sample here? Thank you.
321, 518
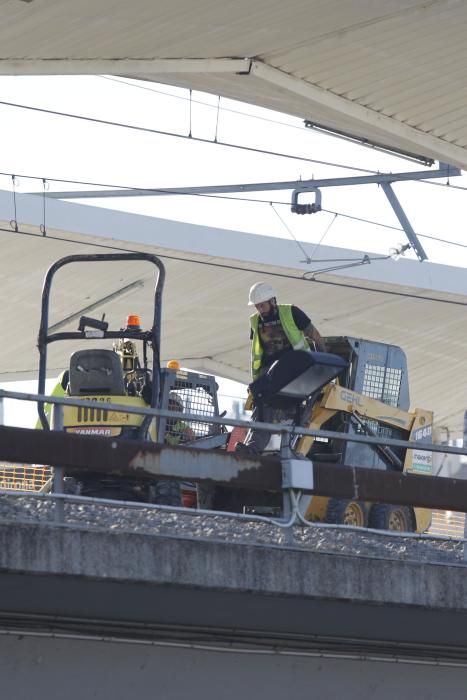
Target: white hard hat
259, 292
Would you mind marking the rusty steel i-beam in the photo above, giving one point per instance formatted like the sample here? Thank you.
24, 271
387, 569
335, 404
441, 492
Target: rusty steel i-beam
80, 453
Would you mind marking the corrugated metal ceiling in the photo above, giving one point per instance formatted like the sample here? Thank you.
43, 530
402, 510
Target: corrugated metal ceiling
391, 71
205, 316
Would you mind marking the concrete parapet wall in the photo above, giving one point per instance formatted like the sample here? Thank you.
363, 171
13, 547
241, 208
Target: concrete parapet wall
158, 580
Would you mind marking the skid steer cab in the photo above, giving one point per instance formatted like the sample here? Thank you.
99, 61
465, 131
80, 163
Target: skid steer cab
359, 387
370, 397
128, 373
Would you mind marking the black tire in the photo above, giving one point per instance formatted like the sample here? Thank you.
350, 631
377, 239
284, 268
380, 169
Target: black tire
349, 512
71, 486
235, 500
166, 493
110, 494
384, 516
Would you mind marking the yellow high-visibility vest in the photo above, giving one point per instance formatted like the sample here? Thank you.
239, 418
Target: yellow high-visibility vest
294, 335
58, 391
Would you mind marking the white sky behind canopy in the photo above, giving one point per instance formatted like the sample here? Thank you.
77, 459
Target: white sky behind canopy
51, 146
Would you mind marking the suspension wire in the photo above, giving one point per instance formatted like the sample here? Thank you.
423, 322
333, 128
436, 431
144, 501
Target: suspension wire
207, 104
351, 262
42, 226
14, 220
289, 230
217, 117
442, 184
268, 120
244, 268
323, 236
443, 240
190, 132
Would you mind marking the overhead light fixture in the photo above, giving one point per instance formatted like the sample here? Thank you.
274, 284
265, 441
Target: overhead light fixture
361, 141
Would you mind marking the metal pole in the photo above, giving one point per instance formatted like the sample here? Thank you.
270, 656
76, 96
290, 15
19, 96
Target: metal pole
464, 444
286, 454
405, 223
57, 482
299, 185
224, 420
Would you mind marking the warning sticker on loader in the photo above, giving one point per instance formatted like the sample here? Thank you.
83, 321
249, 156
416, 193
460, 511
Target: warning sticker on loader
422, 462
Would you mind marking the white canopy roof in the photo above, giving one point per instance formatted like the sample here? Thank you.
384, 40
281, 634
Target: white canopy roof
391, 71
418, 306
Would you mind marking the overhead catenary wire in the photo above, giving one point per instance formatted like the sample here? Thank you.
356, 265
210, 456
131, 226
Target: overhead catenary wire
341, 214
209, 141
232, 198
172, 134
215, 141
299, 127
226, 144
243, 268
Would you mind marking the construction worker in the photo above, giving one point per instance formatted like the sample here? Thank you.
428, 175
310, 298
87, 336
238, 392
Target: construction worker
59, 390
177, 431
275, 330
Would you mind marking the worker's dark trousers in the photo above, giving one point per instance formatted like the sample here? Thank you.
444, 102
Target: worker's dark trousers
257, 440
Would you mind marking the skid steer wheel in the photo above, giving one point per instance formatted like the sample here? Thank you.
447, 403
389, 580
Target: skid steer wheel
341, 512
71, 486
384, 516
166, 493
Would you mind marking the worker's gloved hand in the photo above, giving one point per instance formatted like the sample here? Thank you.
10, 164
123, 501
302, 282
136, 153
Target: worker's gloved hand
146, 392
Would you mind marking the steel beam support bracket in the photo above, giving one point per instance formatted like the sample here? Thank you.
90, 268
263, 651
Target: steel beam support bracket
404, 222
444, 170
300, 186
57, 479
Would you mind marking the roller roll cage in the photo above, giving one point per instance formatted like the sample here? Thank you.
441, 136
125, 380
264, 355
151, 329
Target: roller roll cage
149, 338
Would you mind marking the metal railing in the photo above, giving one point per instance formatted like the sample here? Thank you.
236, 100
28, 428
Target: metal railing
297, 477
282, 428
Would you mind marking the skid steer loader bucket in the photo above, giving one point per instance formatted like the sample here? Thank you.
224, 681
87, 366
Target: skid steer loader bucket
296, 376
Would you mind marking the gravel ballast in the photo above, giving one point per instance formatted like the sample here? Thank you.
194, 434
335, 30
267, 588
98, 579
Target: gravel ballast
191, 524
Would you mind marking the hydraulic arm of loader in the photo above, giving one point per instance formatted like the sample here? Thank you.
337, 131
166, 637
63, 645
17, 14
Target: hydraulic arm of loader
417, 424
